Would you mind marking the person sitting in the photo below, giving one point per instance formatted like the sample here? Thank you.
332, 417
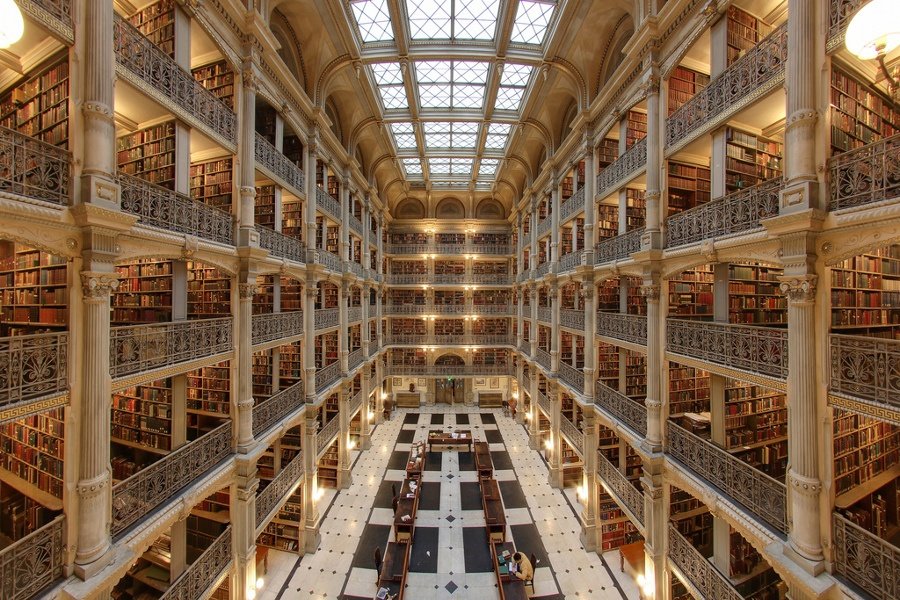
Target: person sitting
512, 407
524, 571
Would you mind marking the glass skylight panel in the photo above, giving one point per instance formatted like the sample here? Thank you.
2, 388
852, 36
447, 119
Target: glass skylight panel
430, 19
452, 19
451, 84
532, 20
461, 166
373, 20
488, 168
404, 135
393, 96
387, 73
498, 135
439, 166
441, 134
470, 72
515, 75
468, 96
434, 71
389, 79
475, 19
509, 98
412, 166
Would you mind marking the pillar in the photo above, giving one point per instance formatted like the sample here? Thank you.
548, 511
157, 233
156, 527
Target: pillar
590, 188
555, 203
589, 483
345, 477
655, 123
247, 234
343, 351
309, 167
365, 422
534, 434
309, 339
590, 327
555, 302
650, 291
244, 350
555, 474
243, 523
346, 250
532, 291
311, 533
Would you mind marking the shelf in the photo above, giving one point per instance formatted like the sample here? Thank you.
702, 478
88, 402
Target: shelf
30, 490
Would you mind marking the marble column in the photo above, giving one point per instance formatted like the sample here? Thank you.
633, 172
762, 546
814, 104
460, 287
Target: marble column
534, 432
310, 164
365, 422
345, 477
590, 316
346, 250
311, 533
655, 123
243, 522
247, 234
589, 483
520, 264
555, 203
650, 291
244, 351
555, 475
533, 294
309, 338
590, 185
555, 302
343, 351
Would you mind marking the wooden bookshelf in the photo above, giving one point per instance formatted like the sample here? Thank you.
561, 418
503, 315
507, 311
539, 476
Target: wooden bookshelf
756, 426
328, 466
141, 419
326, 349
636, 128
457, 239
483, 267
209, 292
635, 209
209, 390
290, 364
266, 117
157, 23
264, 206
408, 297
635, 375
149, 154
144, 294
328, 295
264, 298
489, 297
691, 294
291, 295
684, 84
448, 297
261, 375
607, 153
31, 461
572, 465
408, 239
491, 239
688, 185
754, 296
212, 183
327, 235
750, 159
444, 327
865, 294
34, 291
449, 267
608, 364
864, 450
218, 78
860, 112
744, 32
495, 357
292, 223
408, 357
491, 327
38, 104
688, 390
408, 267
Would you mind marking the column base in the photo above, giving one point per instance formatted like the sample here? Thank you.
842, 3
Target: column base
588, 536
311, 538
813, 567
555, 477
86, 571
365, 441
345, 478
534, 441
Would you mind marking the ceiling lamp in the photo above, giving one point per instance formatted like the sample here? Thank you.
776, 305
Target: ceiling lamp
11, 24
874, 32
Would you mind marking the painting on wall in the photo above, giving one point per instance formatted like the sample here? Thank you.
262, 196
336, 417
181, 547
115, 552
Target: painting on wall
495, 383
479, 382
398, 381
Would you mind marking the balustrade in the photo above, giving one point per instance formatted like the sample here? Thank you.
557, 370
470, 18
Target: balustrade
407, 278
696, 570
355, 268
276, 408
327, 318
542, 269
355, 358
356, 225
55, 14
622, 169
867, 368
572, 318
405, 339
619, 247
276, 326
406, 309
327, 375
32, 563
450, 370
33, 367
739, 212
545, 404
621, 407
762, 350
867, 561
544, 314
278, 167
444, 278
281, 245
204, 572
574, 377
628, 328
493, 309
354, 314
330, 261
865, 175
138, 348
326, 435
762, 495
543, 227
142, 493
573, 434
839, 14
621, 487
572, 206
543, 359
271, 498
328, 204
34, 169
570, 261
525, 347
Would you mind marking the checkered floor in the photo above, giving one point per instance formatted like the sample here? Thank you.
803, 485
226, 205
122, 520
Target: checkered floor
450, 557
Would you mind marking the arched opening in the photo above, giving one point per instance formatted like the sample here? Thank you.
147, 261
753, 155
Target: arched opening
450, 208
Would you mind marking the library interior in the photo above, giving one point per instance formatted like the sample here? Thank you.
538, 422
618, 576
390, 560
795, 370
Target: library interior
592, 299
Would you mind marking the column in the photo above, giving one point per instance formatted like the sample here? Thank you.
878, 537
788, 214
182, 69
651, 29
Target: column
244, 350
520, 266
534, 223
532, 292
650, 291
247, 235
243, 523
656, 517
590, 184
365, 422
555, 303
309, 338
366, 216
380, 242
555, 201
345, 477
309, 168
346, 250
520, 316
655, 124
590, 327
555, 475
379, 392
364, 325
589, 483
343, 342
311, 534
534, 434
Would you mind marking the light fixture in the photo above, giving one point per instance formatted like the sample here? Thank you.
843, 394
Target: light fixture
13, 26
260, 582
351, 445
548, 444
874, 32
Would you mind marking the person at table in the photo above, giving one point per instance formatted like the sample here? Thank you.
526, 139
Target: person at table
512, 407
524, 570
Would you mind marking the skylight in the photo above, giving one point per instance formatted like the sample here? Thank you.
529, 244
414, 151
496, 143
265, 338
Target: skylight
404, 135
442, 134
452, 19
497, 137
412, 166
450, 167
389, 79
451, 84
488, 168
513, 83
373, 19
532, 20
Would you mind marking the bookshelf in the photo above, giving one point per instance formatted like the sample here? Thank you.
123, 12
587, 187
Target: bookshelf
491, 239
291, 295
860, 113
449, 298
157, 23
488, 268
754, 296
149, 575
608, 364
488, 297
455, 239
607, 153
215, 507
636, 301
497, 357
264, 206
750, 159
692, 519
290, 364
326, 349
865, 294
266, 121
38, 105
408, 239
31, 462
635, 375
34, 294
409, 267
684, 84
608, 295
328, 295
635, 209
444, 327
209, 390
636, 128
408, 357
327, 235
149, 154
449, 267
144, 294
688, 390
572, 465
292, 223
877, 510
209, 292
261, 374
744, 32
756, 426
141, 419
212, 183
412, 326
328, 466
688, 185
292, 147
691, 294
264, 298
218, 78
491, 327
407, 297
866, 453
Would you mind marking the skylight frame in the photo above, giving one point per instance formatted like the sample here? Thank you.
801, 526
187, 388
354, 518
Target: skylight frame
474, 21
532, 22
451, 84
376, 26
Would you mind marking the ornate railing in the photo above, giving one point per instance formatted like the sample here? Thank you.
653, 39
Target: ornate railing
762, 350
138, 348
328, 204
865, 560
355, 403
204, 572
327, 375
281, 245
408, 338
544, 403
867, 368
356, 225
326, 435
492, 309
327, 317
839, 14
354, 314
453, 338
543, 359
570, 261
619, 247
406, 309
273, 410
450, 370
157, 206
525, 347
749, 78
276, 326
278, 166
355, 358
572, 318
408, 248
735, 213
865, 175
756, 491
621, 487
493, 278
34, 169
572, 376
143, 63
697, 570
629, 328
526, 383
543, 227
55, 14
623, 408
491, 249
542, 269
328, 260
405, 278
623, 168
449, 278
545, 314
572, 433
452, 309
374, 346
33, 367
355, 268
572, 206
34, 562
144, 491
487, 249
281, 485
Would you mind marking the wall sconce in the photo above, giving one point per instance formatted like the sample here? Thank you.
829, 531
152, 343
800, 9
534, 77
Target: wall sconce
12, 26
873, 33
548, 444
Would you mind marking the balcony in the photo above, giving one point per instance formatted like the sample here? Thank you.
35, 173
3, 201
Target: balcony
622, 169
491, 249
572, 206
407, 278
525, 347
572, 318
270, 499
490, 278
618, 248
544, 402
696, 571
839, 14
326, 259
752, 76
328, 204
354, 359
326, 318
572, 376
865, 368
374, 347
31, 564
140, 62
573, 434
327, 376
356, 225
276, 326
543, 227
759, 350
865, 560
544, 314
493, 309
401, 249
621, 488
139, 348
399, 310
326, 435
276, 408
355, 268
55, 14
142, 493
543, 359
34, 169
450, 370
278, 167
408, 339
205, 573
865, 175
157, 206
570, 261
354, 314
355, 403
449, 278
628, 328
760, 494
542, 269
735, 213
32, 368
281, 245
451, 249
622, 408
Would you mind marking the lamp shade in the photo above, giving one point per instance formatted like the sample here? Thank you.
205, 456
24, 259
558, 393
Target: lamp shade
11, 24
874, 30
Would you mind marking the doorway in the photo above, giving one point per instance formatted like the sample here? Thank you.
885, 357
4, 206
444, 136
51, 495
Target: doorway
449, 391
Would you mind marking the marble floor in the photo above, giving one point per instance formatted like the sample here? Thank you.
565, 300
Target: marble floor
540, 519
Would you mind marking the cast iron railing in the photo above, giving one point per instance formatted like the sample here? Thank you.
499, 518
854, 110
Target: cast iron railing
622, 169
278, 166
865, 560
276, 492
621, 487
328, 204
572, 433
572, 318
628, 328
572, 376
281, 245
762, 350
34, 169
204, 572
276, 326
33, 367
327, 375
326, 435
697, 569
619, 247
274, 409
623, 408
867, 368
865, 175
327, 317
32, 563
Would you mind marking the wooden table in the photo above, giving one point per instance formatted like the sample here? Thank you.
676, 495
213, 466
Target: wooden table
633, 554
408, 505
463, 437
415, 464
484, 464
510, 586
394, 568
494, 517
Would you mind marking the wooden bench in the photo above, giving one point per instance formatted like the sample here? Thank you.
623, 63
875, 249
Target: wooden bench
395, 568
415, 464
484, 464
492, 504
408, 504
510, 586
462, 437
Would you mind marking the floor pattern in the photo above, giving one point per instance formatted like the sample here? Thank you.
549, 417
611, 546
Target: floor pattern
450, 557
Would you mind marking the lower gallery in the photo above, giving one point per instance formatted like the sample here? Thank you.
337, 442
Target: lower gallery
415, 298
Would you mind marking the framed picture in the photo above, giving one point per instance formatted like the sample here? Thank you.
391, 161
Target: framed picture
398, 381
422, 383
479, 382
495, 383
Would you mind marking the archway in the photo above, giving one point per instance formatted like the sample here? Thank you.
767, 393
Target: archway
449, 389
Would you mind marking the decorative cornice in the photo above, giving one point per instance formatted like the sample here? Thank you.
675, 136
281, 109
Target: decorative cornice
800, 289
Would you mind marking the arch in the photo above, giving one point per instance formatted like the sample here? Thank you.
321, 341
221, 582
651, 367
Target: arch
490, 208
290, 51
614, 56
450, 208
603, 55
331, 112
410, 208
450, 359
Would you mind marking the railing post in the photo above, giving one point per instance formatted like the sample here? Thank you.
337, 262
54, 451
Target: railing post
589, 483
244, 350
311, 534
